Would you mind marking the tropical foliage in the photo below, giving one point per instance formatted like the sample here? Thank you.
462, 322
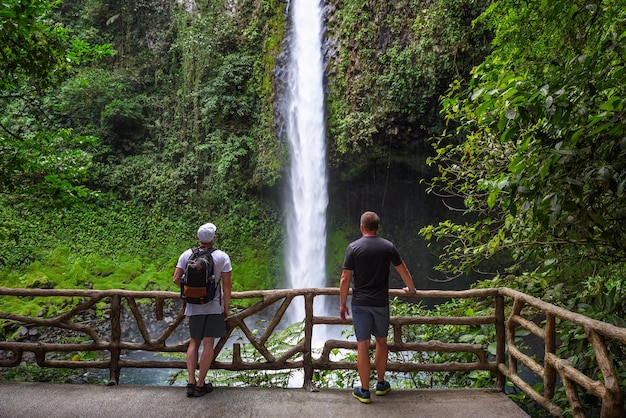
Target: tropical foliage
535, 146
393, 61
534, 159
37, 157
124, 126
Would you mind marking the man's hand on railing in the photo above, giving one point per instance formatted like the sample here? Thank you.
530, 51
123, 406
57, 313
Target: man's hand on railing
343, 311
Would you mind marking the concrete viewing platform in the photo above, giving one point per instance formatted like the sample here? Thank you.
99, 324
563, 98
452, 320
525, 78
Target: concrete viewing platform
66, 400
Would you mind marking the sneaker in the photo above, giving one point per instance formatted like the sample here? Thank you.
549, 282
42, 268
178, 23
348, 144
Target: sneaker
383, 388
202, 390
190, 389
362, 395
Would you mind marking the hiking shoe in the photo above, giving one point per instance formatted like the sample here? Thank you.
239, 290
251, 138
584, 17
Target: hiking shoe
362, 395
190, 389
383, 388
202, 390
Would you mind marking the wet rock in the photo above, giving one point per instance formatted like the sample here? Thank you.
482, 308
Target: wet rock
21, 334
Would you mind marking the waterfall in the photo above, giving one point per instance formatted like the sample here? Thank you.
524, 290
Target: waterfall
306, 132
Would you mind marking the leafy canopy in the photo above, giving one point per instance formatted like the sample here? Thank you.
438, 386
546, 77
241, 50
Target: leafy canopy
37, 53
536, 146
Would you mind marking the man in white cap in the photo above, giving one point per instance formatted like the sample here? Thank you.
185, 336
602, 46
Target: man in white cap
208, 320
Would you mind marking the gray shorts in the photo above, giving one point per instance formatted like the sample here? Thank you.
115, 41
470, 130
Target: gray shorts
201, 326
370, 320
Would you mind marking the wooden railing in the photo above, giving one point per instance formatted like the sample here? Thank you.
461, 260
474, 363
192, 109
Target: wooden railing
540, 318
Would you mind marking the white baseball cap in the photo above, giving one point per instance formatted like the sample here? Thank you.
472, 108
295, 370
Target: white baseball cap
206, 233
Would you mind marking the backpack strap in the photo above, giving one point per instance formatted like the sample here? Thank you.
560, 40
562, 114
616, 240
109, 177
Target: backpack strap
183, 279
218, 287
218, 281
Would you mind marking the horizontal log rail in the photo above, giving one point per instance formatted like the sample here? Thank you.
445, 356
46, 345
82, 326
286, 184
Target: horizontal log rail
522, 311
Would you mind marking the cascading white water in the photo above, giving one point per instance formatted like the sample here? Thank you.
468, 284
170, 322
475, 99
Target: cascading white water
308, 199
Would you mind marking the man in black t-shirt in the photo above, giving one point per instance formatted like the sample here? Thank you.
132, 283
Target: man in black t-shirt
367, 263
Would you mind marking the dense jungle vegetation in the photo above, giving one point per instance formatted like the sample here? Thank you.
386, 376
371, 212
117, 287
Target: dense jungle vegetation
126, 125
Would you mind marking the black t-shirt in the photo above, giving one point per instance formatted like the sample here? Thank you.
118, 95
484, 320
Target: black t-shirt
369, 258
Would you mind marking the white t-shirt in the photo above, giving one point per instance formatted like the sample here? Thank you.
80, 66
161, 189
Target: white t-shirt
221, 264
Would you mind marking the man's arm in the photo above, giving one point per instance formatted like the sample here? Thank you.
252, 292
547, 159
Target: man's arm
227, 284
178, 274
406, 277
344, 289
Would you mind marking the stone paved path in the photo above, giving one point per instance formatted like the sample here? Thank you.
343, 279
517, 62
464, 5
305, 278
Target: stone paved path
92, 401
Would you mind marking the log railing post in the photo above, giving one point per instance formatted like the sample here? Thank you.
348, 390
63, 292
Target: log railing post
500, 342
307, 355
116, 338
612, 401
549, 379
